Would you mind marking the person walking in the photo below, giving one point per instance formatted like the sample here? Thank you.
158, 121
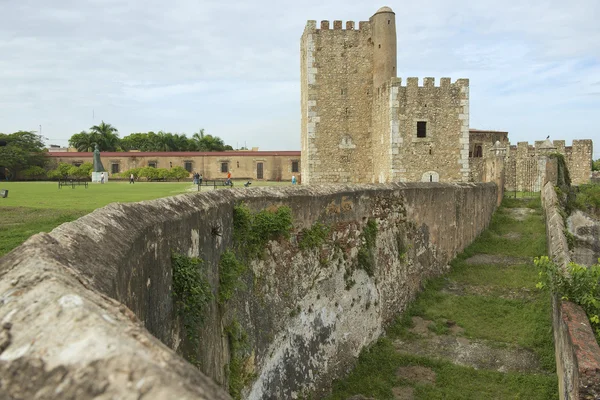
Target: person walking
102, 178
228, 181
131, 179
195, 175
200, 179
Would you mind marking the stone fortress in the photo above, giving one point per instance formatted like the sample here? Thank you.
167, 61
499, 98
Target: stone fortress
361, 124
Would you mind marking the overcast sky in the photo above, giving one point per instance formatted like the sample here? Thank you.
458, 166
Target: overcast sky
233, 67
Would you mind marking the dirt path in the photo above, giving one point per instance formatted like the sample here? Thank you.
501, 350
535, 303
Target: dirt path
481, 332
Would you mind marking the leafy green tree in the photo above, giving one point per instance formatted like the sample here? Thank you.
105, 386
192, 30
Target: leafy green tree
23, 149
596, 165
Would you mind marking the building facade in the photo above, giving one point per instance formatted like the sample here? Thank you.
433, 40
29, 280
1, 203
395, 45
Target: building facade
360, 123
259, 165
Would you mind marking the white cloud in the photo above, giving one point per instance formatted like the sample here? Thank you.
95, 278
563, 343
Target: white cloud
233, 67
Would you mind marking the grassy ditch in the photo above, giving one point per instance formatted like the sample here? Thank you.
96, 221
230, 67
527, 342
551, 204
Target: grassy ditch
490, 296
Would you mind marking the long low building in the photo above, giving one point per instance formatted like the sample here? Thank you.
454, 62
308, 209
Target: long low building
260, 165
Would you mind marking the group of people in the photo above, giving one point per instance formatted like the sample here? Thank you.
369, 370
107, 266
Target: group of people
197, 178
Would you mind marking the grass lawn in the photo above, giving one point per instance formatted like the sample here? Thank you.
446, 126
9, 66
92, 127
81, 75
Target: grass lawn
33, 207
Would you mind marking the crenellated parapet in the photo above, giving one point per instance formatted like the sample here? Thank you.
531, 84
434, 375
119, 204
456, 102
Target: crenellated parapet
524, 168
338, 25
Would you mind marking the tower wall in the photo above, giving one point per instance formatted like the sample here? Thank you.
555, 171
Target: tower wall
383, 27
579, 161
443, 154
336, 103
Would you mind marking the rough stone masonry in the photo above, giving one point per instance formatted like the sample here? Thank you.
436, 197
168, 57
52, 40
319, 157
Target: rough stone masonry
87, 310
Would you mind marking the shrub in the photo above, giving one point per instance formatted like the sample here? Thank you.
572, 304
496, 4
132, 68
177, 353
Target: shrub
252, 232
314, 237
34, 172
578, 284
230, 271
178, 173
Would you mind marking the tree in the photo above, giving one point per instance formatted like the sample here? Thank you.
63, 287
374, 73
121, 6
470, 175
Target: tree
596, 165
23, 149
107, 136
83, 141
104, 135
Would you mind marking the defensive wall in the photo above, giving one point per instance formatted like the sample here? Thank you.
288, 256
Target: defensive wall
523, 163
84, 307
577, 352
261, 165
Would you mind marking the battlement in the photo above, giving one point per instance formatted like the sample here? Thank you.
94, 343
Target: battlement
429, 82
338, 25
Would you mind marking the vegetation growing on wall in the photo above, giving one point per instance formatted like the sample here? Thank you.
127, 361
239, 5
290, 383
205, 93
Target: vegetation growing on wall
252, 232
191, 293
230, 271
241, 372
313, 237
366, 252
578, 284
587, 199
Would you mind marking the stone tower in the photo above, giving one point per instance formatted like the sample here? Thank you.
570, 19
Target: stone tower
359, 124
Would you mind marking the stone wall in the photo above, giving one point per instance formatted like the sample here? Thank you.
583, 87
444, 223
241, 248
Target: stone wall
576, 349
336, 85
443, 154
523, 169
307, 313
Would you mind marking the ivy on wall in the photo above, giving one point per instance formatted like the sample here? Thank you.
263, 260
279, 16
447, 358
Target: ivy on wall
191, 293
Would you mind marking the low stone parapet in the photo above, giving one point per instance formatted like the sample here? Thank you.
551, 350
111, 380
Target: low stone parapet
576, 349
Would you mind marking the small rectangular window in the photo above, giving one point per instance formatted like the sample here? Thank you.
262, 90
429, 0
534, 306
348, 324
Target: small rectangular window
188, 166
224, 167
295, 166
114, 168
77, 164
152, 164
421, 129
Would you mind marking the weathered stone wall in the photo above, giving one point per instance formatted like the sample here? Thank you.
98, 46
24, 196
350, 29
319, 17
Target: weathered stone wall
523, 171
579, 161
307, 313
576, 349
337, 88
586, 232
444, 151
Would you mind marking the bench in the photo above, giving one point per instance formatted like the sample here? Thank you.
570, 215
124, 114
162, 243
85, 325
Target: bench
72, 183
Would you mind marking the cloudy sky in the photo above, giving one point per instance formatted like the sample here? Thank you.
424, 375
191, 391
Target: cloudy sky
232, 67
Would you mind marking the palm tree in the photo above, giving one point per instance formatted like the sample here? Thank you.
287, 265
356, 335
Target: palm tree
198, 137
106, 135
83, 141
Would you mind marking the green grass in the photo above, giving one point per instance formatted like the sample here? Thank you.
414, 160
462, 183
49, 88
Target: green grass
524, 321
507, 277
532, 231
33, 207
375, 376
